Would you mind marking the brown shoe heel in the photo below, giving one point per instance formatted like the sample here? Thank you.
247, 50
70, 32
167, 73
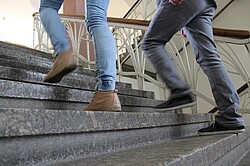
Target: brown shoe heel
104, 101
64, 63
58, 77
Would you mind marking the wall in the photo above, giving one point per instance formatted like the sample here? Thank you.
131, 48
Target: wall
16, 22
20, 15
236, 16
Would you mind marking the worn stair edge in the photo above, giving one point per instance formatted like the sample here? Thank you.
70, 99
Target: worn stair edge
9, 66
19, 48
38, 65
25, 57
22, 90
193, 151
17, 65
244, 159
6, 102
234, 155
31, 55
39, 150
85, 83
21, 122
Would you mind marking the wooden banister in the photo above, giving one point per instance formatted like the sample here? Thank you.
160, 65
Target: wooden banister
240, 34
233, 33
222, 32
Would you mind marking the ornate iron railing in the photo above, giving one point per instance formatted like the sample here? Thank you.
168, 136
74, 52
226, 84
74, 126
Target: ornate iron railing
128, 34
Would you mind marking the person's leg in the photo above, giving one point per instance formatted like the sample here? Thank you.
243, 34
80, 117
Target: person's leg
65, 62
105, 55
168, 20
53, 25
200, 34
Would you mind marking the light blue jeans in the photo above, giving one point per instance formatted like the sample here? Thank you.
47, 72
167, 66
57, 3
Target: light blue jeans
196, 18
96, 20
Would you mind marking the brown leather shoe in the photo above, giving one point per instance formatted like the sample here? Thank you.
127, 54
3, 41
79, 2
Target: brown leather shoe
104, 101
64, 63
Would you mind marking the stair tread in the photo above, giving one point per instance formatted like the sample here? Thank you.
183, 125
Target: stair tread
18, 121
245, 160
9, 48
36, 64
56, 93
188, 151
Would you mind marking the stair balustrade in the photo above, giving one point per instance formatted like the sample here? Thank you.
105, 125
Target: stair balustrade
233, 46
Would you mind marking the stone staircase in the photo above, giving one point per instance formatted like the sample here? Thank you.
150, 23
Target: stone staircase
44, 124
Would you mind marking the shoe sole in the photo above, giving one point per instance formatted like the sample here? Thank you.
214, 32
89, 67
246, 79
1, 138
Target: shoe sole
222, 132
115, 108
175, 107
58, 77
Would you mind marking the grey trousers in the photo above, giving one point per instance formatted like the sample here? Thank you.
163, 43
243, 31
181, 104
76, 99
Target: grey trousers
195, 16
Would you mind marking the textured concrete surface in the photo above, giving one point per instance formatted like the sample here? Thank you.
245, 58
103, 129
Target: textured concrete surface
19, 122
235, 155
27, 103
14, 71
245, 161
192, 151
51, 92
45, 104
46, 148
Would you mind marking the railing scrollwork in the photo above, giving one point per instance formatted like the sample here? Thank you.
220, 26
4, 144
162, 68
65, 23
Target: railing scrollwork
128, 34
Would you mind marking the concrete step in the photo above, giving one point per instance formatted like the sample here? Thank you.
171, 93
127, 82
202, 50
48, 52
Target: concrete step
17, 94
35, 64
25, 55
217, 150
23, 52
245, 159
39, 137
35, 57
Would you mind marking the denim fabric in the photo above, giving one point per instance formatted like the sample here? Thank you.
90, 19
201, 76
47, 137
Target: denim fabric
104, 43
196, 18
53, 25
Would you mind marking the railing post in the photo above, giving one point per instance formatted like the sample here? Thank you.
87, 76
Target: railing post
74, 7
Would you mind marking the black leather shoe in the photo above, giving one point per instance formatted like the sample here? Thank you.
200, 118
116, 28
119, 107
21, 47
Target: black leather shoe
215, 128
176, 103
